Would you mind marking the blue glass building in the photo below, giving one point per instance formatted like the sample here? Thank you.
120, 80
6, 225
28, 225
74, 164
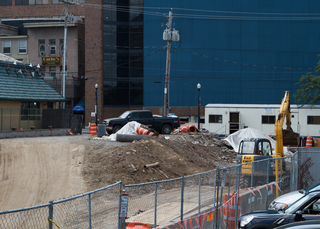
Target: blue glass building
247, 52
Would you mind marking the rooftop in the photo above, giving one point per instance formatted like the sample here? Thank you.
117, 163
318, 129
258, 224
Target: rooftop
21, 82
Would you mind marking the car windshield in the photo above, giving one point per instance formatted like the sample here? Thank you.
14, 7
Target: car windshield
124, 115
315, 188
293, 207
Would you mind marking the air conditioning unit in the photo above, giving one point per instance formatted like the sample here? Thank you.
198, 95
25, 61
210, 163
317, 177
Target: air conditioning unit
42, 53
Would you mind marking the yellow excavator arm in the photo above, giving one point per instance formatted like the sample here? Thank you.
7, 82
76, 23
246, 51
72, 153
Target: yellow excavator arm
284, 112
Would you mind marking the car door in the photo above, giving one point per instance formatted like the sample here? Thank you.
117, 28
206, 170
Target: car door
309, 212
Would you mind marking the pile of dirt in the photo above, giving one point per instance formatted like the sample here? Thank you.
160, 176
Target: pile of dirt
37, 170
154, 158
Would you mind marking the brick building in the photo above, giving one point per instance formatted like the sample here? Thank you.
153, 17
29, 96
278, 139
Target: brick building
42, 26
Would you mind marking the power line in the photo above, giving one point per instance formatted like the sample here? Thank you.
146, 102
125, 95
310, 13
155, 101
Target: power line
244, 64
229, 15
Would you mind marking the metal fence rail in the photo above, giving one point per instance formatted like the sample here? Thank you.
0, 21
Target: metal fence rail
96, 209
212, 199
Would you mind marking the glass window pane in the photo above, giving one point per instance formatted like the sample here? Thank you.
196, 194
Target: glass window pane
215, 118
313, 120
22, 2
117, 95
22, 47
6, 3
56, 2
6, 47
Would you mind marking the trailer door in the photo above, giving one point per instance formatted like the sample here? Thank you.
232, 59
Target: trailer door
234, 122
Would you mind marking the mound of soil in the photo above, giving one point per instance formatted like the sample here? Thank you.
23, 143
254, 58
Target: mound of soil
155, 158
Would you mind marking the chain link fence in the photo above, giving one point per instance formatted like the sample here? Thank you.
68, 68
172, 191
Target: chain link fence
213, 199
96, 209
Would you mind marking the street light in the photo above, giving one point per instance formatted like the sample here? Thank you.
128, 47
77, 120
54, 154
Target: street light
96, 108
199, 104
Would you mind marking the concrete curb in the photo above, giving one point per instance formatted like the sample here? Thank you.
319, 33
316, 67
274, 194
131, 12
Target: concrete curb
34, 133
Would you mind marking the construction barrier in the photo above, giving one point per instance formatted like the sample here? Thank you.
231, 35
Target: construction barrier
229, 209
93, 129
143, 131
138, 226
192, 129
309, 142
188, 128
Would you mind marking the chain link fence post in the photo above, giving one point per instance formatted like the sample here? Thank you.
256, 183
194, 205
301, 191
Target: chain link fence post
238, 168
50, 214
214, 200
199, 196
182, 198
89, 210
267, 181
155, 204
120, 191
217, 198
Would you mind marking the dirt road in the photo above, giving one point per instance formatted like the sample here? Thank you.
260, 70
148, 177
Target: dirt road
34, 171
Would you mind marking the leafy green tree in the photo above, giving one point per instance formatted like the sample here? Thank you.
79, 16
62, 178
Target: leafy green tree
309, 92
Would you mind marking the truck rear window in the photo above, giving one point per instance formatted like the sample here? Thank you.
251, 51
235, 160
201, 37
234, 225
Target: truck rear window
145, 115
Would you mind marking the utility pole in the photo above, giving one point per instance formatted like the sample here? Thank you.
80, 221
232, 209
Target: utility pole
65, 50
169, 35
167, 79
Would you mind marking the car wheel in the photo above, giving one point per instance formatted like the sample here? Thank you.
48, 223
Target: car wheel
116, 129
166, 129
260, 226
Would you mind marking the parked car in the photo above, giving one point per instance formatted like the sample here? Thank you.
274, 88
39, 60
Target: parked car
164, 125
304, 209
312, 224
283, 201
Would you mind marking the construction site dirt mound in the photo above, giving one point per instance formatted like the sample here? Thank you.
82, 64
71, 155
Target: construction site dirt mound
157, 158
37, 170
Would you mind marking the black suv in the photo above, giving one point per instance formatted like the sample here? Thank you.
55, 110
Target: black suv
305, 208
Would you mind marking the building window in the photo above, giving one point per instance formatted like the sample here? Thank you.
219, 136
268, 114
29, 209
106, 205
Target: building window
23, 47
76, 1
268, 119
30, 111
6, 47
61, 47
52, 71
313, 120
6, 3
215, 118
52, 47
56, 2
31, 2
42, 47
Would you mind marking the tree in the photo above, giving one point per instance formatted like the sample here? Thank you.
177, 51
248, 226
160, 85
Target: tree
309, 92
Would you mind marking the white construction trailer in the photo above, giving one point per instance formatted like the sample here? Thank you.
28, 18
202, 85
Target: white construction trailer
225, 119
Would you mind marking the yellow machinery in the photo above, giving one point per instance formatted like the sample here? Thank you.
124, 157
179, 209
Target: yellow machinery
256, 149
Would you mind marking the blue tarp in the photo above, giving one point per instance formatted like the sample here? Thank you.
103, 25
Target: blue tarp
79, 106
